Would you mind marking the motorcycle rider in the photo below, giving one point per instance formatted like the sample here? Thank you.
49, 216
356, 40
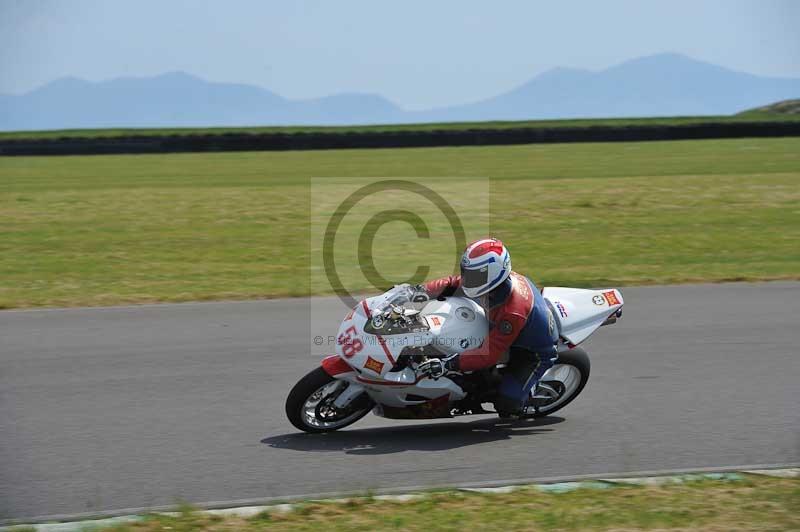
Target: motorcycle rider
521, 323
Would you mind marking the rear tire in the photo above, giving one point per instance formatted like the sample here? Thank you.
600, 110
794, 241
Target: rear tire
300, 404
577, 359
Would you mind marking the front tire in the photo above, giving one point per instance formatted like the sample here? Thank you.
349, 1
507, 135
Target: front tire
567, 378
309, 405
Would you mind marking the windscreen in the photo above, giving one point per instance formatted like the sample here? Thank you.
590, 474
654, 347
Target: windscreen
396, 297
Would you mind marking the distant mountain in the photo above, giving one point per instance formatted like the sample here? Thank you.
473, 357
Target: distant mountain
659, 85
177, 99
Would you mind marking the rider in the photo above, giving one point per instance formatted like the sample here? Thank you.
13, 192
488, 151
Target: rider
520, 322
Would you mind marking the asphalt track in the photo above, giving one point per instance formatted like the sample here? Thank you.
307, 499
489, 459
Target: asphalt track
130, 407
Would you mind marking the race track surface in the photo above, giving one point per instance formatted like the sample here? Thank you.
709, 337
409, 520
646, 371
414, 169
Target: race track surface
104, 409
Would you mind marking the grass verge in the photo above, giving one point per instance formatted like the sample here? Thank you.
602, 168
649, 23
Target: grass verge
104, 230
755, 503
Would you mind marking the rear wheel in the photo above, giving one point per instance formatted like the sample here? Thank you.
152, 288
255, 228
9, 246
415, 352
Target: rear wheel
561, 384
310, 406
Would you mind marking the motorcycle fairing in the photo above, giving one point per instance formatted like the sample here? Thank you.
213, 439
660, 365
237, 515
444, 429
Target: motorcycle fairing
372, 357
436, 408
580, 312
372, 354
335, 365
450, 326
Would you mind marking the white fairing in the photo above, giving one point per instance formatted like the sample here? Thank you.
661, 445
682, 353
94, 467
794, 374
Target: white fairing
456, 324
581, 312
452, 326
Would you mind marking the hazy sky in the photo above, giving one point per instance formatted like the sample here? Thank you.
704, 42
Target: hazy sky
417, 53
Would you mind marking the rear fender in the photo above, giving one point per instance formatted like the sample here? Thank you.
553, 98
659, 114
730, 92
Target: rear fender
334, 365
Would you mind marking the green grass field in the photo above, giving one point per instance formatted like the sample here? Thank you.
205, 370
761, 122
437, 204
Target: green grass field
102, 230
749, 504
748, 116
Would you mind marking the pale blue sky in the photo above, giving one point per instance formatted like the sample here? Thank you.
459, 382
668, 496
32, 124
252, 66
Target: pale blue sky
418, 54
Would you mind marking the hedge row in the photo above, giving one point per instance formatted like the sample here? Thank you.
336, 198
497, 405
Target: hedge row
389, 139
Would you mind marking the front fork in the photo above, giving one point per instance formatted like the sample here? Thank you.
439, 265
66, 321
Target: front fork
346, 396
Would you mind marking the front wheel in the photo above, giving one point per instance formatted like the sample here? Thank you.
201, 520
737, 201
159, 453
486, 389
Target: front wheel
561, 384
310, 406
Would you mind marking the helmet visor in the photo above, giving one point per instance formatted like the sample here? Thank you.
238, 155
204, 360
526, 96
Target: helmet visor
474, 278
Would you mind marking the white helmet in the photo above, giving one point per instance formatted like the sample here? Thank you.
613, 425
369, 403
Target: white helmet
484, 266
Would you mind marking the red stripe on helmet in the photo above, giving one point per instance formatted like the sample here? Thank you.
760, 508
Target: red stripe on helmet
482, 247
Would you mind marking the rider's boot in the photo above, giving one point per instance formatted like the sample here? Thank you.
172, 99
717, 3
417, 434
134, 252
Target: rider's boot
508, 407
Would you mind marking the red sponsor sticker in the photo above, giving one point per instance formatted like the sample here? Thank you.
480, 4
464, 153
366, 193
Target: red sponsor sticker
435, 320
611, 297
373, 365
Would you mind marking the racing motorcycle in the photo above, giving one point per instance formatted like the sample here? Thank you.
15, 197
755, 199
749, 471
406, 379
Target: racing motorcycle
382, 341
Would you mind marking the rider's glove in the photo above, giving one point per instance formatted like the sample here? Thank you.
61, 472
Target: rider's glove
438, 367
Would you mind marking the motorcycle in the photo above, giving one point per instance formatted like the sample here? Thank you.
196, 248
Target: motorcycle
382, 341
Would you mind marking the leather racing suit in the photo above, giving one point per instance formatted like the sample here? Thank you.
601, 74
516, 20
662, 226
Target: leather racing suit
521, 324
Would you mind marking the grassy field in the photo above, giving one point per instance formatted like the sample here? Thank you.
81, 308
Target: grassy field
101, 230
750, 504
748, 116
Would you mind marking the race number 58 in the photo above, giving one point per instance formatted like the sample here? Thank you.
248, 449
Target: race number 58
349, 342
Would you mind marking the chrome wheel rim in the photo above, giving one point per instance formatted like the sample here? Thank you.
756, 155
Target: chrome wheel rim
570, 378
318, 411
